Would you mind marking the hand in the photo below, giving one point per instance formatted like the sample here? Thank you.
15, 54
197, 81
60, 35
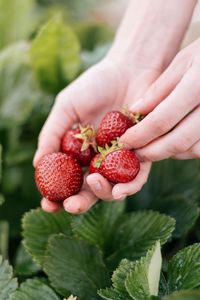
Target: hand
122, 77
172, 106
104, 87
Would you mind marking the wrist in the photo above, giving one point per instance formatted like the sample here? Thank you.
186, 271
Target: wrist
151, 32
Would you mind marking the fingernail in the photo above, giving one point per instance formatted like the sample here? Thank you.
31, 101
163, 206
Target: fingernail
96, 185
136, 106
72, 207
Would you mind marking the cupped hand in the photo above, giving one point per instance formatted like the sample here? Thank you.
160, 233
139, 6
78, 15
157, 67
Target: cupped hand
106, 86
172, 109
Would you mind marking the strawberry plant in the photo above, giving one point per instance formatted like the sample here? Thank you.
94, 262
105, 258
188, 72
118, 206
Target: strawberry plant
147, 247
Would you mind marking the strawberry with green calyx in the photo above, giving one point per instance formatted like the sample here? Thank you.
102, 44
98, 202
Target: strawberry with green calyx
80, 143
114, 125
58, 176
115, 163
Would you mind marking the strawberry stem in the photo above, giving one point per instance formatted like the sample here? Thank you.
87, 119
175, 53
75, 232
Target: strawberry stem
135, 117
87, 134
107, 150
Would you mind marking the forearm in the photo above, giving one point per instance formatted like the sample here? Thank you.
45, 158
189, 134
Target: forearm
153, 30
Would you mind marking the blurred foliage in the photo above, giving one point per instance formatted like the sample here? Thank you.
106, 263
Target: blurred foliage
36, 61
16, 20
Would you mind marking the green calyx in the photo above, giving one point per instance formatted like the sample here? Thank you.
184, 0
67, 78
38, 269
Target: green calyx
107, 150
134, 117
87, 135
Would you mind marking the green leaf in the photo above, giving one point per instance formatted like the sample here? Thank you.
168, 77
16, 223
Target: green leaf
136, 233
16, 21
0, 162
8, 284
4, 238
112, 294
163, 287
131, 234
38, 226
98, 225
24, 265
118, 289
34, 289
184, 295
55, 55
1, 199
120, 274
1, 196
19, 90
92, 35
187, 177
184, 210
75, 267
184, 269
161, 182
136, 280
143, 281
12, 177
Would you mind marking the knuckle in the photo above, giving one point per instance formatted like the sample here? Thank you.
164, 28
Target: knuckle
181, 145
155, 88
159, 125
147, 156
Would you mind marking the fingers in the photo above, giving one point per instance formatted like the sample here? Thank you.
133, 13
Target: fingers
167, 114
179, 140
193, 152
163, 86
61, 117
50, 206
80, 203
76, 204
83, 201
122, 190
100, 187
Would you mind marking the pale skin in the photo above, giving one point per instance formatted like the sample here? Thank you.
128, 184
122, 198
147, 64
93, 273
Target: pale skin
136, 67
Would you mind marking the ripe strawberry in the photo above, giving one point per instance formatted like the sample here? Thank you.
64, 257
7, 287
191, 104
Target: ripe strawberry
58, 176
80, 143
116, 164
113, 125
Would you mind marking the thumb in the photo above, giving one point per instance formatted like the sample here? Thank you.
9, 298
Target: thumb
61, 118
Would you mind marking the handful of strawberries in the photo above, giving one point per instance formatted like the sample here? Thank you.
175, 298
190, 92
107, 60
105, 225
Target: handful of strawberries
60, 175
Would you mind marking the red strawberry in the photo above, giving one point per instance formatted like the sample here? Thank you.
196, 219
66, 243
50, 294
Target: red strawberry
58, 176
80, 143
116, 164
113, 125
